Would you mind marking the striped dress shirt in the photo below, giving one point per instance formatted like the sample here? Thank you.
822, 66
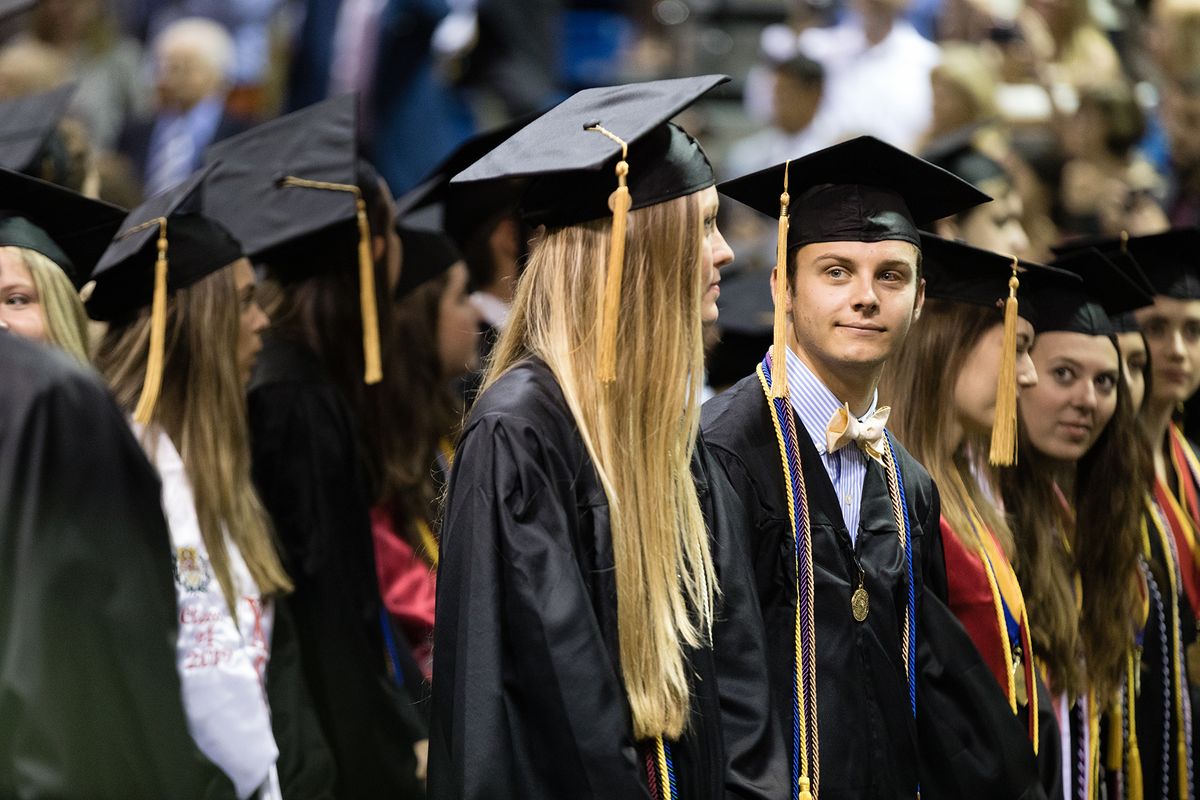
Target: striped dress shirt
847, 468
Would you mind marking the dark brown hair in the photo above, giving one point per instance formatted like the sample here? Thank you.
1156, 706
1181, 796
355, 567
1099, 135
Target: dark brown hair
427, 410
1109, 488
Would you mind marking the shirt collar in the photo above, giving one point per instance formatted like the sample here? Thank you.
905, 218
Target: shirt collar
812, 400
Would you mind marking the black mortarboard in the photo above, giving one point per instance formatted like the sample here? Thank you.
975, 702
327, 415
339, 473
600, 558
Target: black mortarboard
11, 8
568, 162
463, 210
70, 229
568, 156
1171, 260
427, 254
164, 245
288, 190
28, 124
197, 245
958, 154
959, 273
1116, 250
863, 190
1105, 291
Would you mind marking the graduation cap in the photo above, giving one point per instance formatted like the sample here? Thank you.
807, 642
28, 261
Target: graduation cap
1116, 250
1087, 307
28, 124
13, 8
427, 254
66, 227
862, 190
567, 158
957, 153
959, 273
290, 185
461, 211
164, 245
1171, 261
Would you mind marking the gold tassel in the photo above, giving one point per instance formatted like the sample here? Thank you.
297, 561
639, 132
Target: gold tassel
1004, 426
369, 311
805, 784
610, 307
1116, 747
373, 367
779, 384
152, 383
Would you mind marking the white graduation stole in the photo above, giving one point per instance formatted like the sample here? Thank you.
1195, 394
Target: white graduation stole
221, 663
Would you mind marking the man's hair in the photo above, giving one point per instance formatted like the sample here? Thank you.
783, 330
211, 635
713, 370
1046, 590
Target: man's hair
204, 35
802, 69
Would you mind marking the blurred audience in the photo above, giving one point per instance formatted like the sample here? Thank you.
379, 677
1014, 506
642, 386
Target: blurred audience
799, 84
193, 61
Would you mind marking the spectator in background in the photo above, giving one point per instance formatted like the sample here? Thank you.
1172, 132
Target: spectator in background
107, 65
28, 66
799, 83
964, 90
1066, 45
877, 71
383, 50
193, 58
1105, 180
1181, 122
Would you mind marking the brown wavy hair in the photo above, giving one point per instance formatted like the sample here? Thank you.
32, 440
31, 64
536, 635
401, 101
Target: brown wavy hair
427, 410
1109, 488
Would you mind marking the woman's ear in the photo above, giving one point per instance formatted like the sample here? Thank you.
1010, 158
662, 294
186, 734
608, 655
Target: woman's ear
378, 246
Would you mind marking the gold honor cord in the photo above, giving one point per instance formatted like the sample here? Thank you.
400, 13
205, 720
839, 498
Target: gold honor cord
372, 361
805, 679
610, 307
779, 383
1003, 452
152, 382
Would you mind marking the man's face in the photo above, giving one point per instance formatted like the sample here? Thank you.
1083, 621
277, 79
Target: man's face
852, 303
184, 77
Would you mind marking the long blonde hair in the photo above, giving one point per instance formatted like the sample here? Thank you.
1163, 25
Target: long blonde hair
920, 380
641, 431
202, 408
66, 321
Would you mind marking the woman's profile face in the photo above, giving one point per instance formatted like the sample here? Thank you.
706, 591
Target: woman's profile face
975, 387
715, 254
21, 310
252, 320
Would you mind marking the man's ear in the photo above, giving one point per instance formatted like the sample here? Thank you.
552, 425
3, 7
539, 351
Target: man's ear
789, 293
920, 301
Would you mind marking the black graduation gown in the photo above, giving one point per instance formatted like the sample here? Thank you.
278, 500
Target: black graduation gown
528, 700
309, 475
868, 742
90, 703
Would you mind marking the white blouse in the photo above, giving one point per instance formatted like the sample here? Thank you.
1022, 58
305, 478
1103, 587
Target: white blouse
222, 662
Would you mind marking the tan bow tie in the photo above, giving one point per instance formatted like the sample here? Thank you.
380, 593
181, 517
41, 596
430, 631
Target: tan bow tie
845, 428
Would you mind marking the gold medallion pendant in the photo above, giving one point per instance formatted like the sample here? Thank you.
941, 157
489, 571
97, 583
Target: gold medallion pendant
860, 604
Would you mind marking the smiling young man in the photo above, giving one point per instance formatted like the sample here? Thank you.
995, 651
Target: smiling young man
845, 521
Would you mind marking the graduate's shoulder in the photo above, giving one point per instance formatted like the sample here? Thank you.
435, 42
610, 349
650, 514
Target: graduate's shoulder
526, 397
284, 361
737, 423
39, 374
